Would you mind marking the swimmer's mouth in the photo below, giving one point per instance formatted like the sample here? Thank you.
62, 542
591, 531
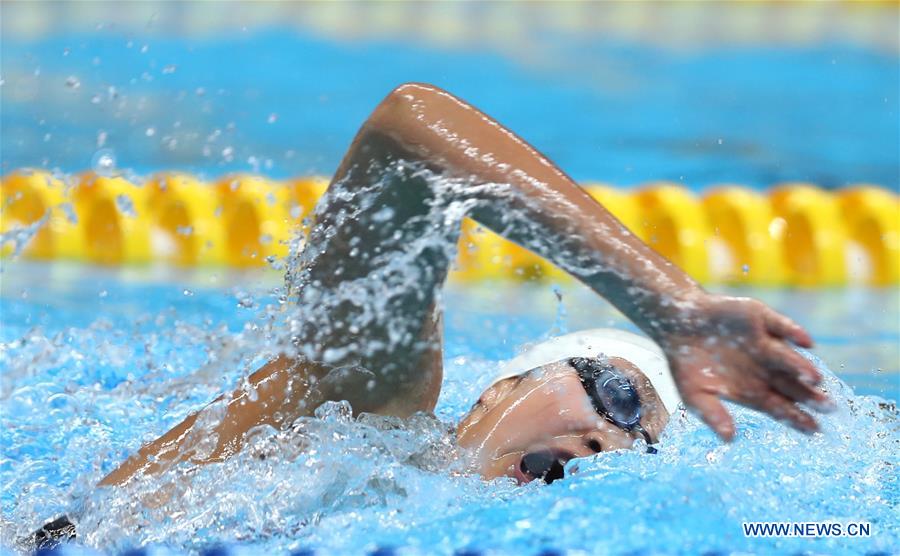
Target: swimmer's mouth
543, 465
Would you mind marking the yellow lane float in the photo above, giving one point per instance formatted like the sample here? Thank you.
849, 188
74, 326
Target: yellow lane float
256, 219
186, 230
871, 217
794, 234
672, 222
304, 194
809, 226
29, 196
740, 247
480, 254
112, 220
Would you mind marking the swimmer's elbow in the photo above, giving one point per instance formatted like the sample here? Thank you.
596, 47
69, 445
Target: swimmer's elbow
409, 93
404, 102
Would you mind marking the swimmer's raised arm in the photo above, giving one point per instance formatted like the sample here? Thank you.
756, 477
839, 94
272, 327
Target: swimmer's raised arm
718, 347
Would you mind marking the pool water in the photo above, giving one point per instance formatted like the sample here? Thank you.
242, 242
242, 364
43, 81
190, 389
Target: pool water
95, 362
287, 104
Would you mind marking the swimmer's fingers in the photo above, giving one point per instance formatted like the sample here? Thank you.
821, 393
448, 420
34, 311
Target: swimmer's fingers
782, 359
801, 392
712, 411
783, 409
781, 326
701, 389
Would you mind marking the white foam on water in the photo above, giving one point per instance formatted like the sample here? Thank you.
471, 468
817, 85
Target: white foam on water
79, 394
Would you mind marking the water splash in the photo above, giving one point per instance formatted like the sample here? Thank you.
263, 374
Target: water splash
125, 205
78, 398
346, 485
20, 236
104, 163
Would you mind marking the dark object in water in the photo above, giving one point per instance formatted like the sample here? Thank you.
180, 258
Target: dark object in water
51, 535
543, 465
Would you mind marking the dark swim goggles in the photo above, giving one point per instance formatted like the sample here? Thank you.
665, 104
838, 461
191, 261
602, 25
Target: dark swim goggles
612, 394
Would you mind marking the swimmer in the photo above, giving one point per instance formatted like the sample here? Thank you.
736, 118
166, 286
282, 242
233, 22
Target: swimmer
715, 347
590, 392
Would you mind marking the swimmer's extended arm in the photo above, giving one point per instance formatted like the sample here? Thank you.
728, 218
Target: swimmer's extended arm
271, 396
717, 346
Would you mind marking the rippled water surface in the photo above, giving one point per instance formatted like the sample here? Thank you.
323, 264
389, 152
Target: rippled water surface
96, 362
288, 104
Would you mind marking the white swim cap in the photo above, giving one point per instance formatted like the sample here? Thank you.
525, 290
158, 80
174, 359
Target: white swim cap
641, 351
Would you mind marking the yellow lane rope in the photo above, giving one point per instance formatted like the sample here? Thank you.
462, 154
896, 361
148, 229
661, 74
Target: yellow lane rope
793, 234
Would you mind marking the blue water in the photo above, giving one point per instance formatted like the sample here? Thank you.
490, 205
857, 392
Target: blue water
96, 362
285, 103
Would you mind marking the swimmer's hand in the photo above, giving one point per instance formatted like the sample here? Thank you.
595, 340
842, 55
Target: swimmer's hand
739, 349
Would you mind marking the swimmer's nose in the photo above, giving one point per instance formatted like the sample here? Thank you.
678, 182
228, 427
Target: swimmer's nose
543, 465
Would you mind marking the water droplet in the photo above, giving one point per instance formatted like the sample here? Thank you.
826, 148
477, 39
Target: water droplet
150, 132
69, 211
228, 153
252, 393
273, 117
96, 99
720, 141
104, 163
101, 138
745, 268
102, 294
144, 49
125, 205
72, 82
383, 215
187, 293
169, 69
254, 163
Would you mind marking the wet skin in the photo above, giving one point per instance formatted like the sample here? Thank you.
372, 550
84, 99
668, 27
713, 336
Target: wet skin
717, 347
547, 412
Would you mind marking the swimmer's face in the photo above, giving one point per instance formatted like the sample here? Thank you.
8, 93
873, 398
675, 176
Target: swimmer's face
533, 424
